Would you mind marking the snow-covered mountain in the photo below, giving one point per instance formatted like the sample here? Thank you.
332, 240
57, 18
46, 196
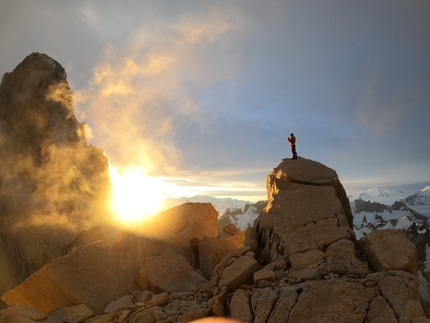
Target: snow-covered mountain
420, 201
242, 218
369, 216
379, 195
375, 209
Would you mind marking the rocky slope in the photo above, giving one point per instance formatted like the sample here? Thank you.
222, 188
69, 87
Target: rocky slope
300, 262
52, 184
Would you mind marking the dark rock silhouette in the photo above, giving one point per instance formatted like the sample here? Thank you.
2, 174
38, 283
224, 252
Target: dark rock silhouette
52, 184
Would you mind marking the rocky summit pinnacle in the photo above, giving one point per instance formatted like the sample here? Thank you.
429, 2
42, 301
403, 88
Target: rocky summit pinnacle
288, 210
36, 108
311, 173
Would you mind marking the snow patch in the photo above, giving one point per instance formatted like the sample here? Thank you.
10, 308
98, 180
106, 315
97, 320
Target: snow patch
382, 196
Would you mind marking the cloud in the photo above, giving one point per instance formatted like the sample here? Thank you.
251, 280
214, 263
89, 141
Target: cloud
376, 112
60, 93
142, 92
208, 31
132, 109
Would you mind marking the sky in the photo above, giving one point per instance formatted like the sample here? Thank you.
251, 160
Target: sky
204, 94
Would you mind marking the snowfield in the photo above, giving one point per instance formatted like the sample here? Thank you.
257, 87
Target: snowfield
401, 210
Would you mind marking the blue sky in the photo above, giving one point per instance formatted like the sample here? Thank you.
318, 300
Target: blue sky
205, 93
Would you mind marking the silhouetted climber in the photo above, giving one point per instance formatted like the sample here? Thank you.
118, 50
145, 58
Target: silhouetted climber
292, 141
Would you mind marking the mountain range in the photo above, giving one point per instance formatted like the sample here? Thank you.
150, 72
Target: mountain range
383, 209
372, 209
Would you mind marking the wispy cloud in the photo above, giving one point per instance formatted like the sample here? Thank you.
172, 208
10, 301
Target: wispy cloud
376, 112
140, 93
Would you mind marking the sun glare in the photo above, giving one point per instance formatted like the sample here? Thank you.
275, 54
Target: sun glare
135, 197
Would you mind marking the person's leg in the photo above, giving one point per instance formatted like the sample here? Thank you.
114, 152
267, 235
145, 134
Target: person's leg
294, 152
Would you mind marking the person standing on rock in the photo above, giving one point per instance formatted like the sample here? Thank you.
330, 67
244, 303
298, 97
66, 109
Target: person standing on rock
292, 141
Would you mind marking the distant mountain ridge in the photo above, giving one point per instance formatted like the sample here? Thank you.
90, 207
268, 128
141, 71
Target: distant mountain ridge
220, 204
421, 197
379, 195
238, 212
243, 213
420, 201
383, 209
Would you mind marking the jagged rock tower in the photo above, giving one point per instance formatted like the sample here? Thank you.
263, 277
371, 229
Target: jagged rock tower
52, 185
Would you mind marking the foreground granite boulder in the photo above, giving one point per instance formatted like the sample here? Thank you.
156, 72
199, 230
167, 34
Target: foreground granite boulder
390, 249
93, 275
169, 272
213, 249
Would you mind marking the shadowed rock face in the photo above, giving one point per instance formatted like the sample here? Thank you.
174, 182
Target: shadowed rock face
169, 272
159, 257
52, 185
37, 109
88, 275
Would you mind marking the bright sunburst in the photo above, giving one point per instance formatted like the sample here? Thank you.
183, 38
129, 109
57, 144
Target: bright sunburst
135, 197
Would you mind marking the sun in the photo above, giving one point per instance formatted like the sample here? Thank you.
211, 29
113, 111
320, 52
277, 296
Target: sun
135, 197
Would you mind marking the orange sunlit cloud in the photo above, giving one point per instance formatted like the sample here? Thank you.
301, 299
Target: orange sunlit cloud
135, 97
137, 92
